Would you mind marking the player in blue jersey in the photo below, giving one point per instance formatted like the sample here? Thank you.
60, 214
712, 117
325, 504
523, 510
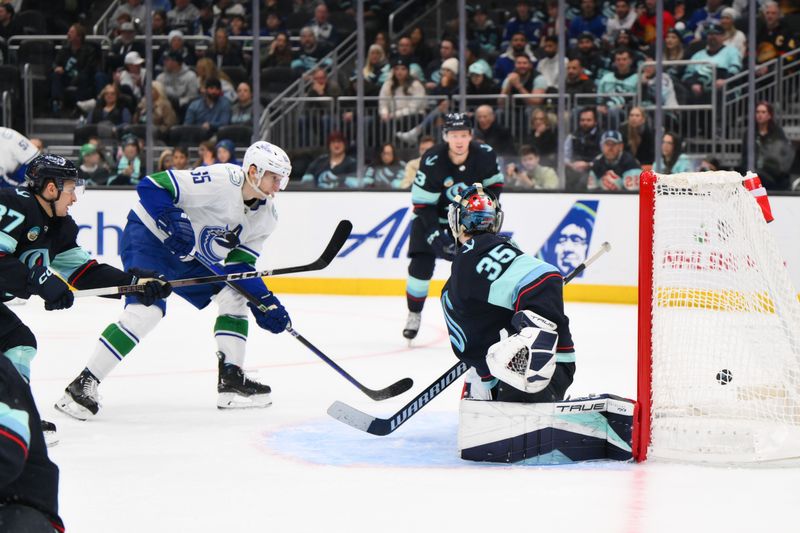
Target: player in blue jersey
495, 287
444, 171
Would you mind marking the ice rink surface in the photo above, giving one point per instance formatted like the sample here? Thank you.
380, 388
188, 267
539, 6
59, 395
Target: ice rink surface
161, 457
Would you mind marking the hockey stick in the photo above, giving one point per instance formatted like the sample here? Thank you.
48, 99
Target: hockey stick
380, 394
339, 237
383, 426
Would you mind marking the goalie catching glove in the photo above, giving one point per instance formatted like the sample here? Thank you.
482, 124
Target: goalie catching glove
527, 359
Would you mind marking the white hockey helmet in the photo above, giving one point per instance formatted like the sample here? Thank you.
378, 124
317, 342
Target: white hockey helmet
267, 157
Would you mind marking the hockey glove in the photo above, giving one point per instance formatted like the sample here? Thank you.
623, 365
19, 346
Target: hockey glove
175, 223
443, 246
230, 238
52, 289
275, 319
156, 286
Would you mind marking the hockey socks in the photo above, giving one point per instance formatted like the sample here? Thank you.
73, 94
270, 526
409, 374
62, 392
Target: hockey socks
230, 332
120, 338
416, 293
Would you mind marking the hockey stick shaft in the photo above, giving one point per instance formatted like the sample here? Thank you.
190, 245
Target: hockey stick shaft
338, 239
383, 426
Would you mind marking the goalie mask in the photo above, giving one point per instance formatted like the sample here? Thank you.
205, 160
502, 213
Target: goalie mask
266, 157
474, 211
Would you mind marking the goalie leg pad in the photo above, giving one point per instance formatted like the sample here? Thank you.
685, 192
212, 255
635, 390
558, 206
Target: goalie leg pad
583, 429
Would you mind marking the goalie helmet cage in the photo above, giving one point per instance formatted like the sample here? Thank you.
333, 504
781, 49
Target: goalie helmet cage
719, 326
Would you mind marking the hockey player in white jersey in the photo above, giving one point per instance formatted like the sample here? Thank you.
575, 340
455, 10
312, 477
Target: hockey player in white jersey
222, 213
16, 151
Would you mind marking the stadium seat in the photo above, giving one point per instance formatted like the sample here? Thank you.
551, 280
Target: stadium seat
186, 135
238, 133
275, 80
236, 73
40, 53
296, 21
140, 131
81, 134
31, 22
344, 23
9, 79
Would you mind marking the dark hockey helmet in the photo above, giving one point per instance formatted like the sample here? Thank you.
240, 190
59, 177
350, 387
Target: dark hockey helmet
45, 168
457, 121
475, 210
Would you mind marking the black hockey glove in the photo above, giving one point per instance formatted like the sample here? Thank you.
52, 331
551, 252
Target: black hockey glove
230, 238
176, 224
443, 245
275, 319
52, 289
156, 286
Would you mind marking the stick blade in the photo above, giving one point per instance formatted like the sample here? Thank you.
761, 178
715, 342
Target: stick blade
350, 416
396, 389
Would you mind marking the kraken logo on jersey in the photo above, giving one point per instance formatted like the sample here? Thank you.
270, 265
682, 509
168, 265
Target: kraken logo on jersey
453, 190
34, 257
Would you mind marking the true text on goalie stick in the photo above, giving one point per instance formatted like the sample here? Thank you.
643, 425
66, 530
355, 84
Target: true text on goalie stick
383, 426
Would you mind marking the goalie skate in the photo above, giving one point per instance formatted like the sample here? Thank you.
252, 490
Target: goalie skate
237, 391
80, 398
49, 432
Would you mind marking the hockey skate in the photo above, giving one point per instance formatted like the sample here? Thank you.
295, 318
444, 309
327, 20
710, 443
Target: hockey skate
412, 325
49, 431
237, 391
80, 398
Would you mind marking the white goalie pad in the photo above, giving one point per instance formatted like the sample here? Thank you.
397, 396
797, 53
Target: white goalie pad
526, 360
583, 429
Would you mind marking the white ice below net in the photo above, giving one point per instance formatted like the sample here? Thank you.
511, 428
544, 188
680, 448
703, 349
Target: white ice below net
726, 320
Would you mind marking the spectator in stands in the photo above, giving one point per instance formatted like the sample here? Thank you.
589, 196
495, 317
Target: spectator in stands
426, 142
673, 51
732, 36
225, 10
521, 81
376, 70
523, 22
160, 26
627, 41
180, 158
206, 154
92, 169
176, 44
726, 59
237, 27
322, 86
224, 52
8, 27
639, 137
164, 116
405, 49
242, 108
773, 37
73, 70
448, 79
549, 64
590, 20
710, 164
506, 63
492, 132
273, 25
645, 27
334, 169
135, 8
109, 109
183, 17
419, 46
164, 160
179, 81
550, 19
704, 16
668, 94
576, 80
226, 152
433, 73
382, 40
673, 160
483, 30
311, 51
206, 69
592, 59
447, 87
323, 30
132, 77
129, 167
280, 52
623, 19
774, 151
580, 149
622, 80
614, 169
529, 174
402, 97
387, 170
206, 21
543, 135
212, 110
480, 82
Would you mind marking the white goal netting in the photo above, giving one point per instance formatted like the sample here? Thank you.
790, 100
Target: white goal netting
725, 327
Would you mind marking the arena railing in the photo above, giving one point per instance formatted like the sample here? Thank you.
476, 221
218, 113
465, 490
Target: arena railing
8, 108
410, 5
101, 26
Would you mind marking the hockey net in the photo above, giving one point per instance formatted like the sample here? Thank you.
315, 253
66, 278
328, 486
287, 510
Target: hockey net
719, 326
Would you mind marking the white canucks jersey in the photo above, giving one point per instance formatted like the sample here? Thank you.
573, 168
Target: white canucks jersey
212, 199
15, 150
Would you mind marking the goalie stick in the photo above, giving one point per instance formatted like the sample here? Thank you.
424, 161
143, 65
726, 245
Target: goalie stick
383, 426
339, 237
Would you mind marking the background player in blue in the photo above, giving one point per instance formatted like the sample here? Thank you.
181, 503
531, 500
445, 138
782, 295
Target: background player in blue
495, 287
38, 240
444, 171
185, 220
16, 153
